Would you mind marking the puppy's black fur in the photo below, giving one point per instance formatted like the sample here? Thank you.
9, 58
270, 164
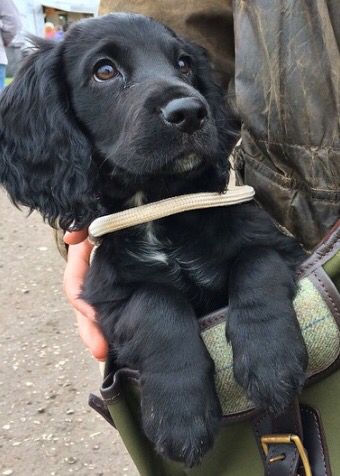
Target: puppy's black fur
74, 146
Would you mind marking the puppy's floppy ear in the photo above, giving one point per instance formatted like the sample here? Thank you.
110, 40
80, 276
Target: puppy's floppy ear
45, 159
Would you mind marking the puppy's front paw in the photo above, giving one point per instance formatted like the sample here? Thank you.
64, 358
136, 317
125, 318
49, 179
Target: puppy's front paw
180, 420
271, 372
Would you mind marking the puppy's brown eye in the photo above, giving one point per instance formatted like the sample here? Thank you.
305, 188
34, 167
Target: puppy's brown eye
105, 70
184, 64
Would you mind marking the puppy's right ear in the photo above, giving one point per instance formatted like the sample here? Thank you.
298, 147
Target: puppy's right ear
45, 159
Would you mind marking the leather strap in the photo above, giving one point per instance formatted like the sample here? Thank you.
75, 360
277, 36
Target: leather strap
315, 441
284, 459
100, 406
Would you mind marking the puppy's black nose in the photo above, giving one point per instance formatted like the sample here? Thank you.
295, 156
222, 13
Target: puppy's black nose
187, 114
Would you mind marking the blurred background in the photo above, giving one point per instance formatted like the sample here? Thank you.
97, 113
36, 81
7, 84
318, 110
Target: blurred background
49, 19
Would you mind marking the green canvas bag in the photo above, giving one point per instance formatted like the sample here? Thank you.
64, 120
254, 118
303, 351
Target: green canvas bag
306, 438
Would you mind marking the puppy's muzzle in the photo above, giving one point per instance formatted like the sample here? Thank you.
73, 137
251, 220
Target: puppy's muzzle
187, 114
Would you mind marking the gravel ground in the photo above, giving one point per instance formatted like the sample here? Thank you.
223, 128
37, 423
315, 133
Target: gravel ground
46, 427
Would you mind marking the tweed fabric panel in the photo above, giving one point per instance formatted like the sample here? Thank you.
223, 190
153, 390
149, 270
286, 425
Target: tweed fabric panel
320, 333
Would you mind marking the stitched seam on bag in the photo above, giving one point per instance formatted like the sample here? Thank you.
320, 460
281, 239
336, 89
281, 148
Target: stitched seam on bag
294, 461
207, 323
258, 434
296, 454
306, 410
112, 400
258, 421
297, 425
326, 250
243, 416
335, 307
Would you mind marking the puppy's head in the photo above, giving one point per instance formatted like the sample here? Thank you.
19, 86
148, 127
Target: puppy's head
120, 90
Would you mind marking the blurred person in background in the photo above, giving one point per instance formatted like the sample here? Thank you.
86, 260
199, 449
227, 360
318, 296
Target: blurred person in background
9, 26
59, 33
49, 31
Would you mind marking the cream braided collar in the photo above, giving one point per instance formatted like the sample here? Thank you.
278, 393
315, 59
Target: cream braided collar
169, 206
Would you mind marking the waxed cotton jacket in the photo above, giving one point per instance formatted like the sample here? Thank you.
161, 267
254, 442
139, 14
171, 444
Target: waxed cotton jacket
286, 76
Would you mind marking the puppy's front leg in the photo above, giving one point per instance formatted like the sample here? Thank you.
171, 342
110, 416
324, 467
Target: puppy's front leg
269, 352
158, 334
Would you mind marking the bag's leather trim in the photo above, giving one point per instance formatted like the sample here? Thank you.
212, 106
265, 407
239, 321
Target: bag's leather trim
331, 297
100, 406
315, 441
323, 252
212, 319
240, 416
111, 386
329, 292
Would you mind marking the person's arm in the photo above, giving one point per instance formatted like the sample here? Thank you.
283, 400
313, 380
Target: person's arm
79, 251
10, 23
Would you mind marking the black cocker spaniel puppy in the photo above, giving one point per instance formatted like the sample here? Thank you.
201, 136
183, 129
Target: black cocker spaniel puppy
124, 112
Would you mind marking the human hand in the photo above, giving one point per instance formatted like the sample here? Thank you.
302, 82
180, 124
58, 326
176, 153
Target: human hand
77, 265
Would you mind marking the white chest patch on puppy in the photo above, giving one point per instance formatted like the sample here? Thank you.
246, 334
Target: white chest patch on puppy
136, 200
148, 248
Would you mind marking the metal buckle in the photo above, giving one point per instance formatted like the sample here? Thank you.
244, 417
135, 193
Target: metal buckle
267, 440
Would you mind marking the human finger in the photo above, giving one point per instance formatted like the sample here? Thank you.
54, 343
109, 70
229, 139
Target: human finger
75, 237
92, 336
74, 275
